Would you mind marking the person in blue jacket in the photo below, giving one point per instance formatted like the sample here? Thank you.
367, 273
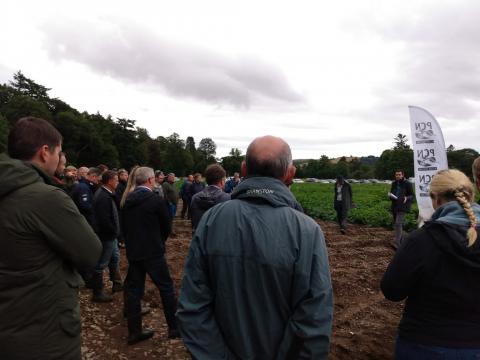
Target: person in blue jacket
257, 281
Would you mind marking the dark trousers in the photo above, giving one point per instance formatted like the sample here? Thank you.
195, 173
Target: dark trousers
406, 350
342, 215
157, 269
185, 207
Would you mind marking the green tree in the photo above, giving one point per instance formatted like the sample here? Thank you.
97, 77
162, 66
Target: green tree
400, 142
394, 159
25, 86
462, 160
233, 162
3, 134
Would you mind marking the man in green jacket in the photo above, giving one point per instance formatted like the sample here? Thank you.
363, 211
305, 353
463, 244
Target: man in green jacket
257, 281
43, 241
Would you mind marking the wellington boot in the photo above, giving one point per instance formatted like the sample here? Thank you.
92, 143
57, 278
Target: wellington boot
102, 298
117, 286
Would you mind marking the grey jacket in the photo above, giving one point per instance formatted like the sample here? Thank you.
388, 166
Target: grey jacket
257, 281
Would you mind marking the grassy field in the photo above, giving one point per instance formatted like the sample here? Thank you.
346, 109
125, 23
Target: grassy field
372, 204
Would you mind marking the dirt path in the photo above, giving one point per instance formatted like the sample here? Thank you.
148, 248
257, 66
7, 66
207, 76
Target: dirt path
364, 323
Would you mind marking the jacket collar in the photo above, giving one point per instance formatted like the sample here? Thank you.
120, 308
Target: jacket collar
267, 189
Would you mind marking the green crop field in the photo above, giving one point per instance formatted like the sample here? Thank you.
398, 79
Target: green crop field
372, 204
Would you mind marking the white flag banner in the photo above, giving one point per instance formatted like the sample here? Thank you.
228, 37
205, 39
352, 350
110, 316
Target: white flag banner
429, 156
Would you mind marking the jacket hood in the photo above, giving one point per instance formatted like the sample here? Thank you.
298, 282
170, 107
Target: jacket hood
138, 196
266, 189
15, 174
208, 197
454, 224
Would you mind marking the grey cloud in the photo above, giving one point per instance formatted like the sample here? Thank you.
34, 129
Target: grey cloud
440, 65
137, 55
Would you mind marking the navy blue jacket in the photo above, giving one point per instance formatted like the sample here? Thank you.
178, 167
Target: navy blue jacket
82, 195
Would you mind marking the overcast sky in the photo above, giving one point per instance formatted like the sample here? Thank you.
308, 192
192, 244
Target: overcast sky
332, 78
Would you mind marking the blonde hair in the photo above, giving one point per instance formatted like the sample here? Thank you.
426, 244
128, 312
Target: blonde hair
454, 185
130, 185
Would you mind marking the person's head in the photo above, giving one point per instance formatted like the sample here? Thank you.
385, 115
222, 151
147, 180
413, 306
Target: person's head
145, 176
236, 176
110, 179
269, 156
123, 175
171, 178
476, 172
82, 172
93, 175
130, 185
399, 175
61, 164
454, 185
340, 179
71, 172
190, 178
159, 177
36, 141
102, 168
197, 177
215, 175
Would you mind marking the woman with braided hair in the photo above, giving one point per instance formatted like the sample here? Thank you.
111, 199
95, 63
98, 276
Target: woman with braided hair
437, 269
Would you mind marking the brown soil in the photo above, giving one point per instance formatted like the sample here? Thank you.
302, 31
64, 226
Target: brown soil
364, 322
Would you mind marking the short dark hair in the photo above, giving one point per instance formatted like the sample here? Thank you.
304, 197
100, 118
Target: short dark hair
400, 171
214, 173
275, 167
103, 168
108, 175
29, 134
94, 171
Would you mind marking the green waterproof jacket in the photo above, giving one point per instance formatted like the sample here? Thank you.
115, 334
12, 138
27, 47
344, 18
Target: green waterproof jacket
257, 281
43, 240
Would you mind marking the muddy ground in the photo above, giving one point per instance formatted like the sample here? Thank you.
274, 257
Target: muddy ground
364, 322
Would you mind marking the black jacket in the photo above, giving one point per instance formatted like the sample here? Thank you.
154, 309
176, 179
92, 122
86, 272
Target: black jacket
145, 224
346, 203
441, 277
406, 190
195, 188
122, 185
105, 215
204, 200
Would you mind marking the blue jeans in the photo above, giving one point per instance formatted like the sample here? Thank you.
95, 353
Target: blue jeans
173, 210
110, 255
406, 350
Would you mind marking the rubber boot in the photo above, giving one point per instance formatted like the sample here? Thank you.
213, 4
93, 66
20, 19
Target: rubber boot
97, 286
116, 279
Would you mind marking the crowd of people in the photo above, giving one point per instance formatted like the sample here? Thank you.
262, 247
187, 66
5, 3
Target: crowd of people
256, 281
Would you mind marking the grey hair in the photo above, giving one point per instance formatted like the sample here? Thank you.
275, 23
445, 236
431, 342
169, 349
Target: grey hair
143, 174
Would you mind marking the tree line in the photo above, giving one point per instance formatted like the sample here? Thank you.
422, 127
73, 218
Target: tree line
92, 139
400, 156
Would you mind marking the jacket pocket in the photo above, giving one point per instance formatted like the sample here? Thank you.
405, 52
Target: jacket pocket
70, 321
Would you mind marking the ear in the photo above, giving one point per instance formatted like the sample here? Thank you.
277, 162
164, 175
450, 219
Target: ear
43, 153
288, 178
243, 168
